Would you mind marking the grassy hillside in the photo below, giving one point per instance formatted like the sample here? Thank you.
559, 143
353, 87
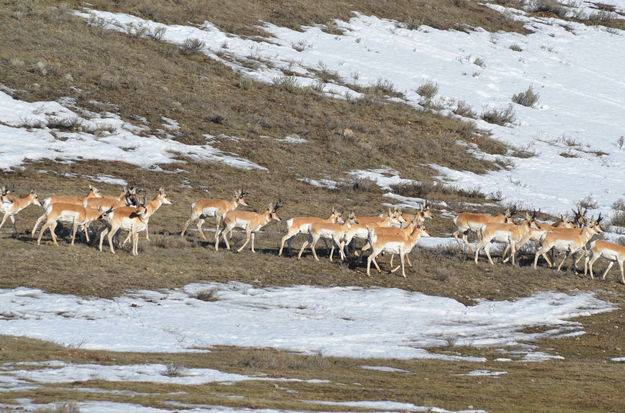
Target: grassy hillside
48, 53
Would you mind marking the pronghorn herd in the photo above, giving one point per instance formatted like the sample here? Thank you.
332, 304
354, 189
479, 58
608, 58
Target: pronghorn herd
392, 232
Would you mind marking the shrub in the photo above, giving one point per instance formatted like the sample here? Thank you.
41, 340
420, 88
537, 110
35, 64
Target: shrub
173, 370
587, 203
210, 294
516, 48
435, 190
528, 98
359, 185
548, 6
289, 83
479, 62
67, 407
499, 116
136, 30
192, 45
157, 33
427, 90
245, 83
463, 109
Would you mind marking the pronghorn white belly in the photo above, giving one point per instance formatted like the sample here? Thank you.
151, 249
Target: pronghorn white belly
326, 233
68, 216
210, 211
128, 224
501, 236
393, 247
611, 255
564, 245
476, 227
304, 228
361, 233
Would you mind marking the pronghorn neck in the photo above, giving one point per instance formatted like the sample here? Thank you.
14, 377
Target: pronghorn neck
153, 206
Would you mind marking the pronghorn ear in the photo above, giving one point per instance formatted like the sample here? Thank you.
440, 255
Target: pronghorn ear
599, 219
277, 205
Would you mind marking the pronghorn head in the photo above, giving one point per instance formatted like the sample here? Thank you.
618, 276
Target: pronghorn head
566, 220
426, 211
596, 225
130, 196
398, 216
34, 197
531, 220
5, 190
351, 218
509, 214
420, 230
580, 217
94, 192
162, 196
273, 210
336, 215
240, 196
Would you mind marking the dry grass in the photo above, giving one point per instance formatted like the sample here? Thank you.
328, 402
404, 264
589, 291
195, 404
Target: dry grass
242, 17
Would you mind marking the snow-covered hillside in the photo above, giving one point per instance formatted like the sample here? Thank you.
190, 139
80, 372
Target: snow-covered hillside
575, 131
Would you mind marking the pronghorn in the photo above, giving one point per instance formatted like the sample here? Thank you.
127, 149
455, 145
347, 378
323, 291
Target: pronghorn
468, 221
251, 222
204, 208
537, 233
11, 205
76, 200
393, 218
394, 244
405, 231
77, 215
609, 250
126, 198
334, 231
569, 241
301, 225
132, 219
511, 234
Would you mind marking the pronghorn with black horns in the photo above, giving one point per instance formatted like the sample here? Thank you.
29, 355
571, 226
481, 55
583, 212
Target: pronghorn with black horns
11, 205
400, 244
301, 225
510, 234
217, 208
569, 241
468, 221
132, 219
128, 197
333, 231
251, 222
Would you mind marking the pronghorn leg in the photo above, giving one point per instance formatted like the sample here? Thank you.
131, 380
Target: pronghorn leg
505, 252
102, 234
74, 231
13, 222
127, 239
4, 219
620, 266
147, 232
582, 255
371, 258
224, 236
401, 258
540, 252
287, 238
465, 237
375, 262
304, 245
85, 230
487, 251
513, 250
478, 247
135, 242
253, 238
332, 253
52, 232
186, 226
457, 237
43, 228
566, 255
39, 221
342, 250
200, 222
391, 262
608, 269
110, 236
313, 244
